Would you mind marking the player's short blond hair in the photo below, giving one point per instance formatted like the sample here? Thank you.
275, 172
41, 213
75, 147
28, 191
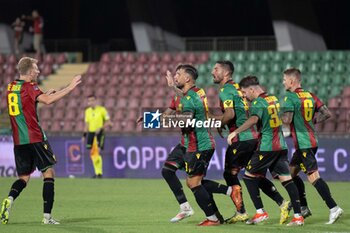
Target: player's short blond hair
25, 64
294, 72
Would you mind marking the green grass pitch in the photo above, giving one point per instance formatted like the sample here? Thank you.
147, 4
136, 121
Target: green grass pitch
132, 205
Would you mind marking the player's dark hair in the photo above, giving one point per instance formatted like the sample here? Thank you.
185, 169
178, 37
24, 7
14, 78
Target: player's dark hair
295, 72
189, 69
248, 81
91, 96
227, 65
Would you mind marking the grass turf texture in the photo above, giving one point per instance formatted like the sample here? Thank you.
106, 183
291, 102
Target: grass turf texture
132, 205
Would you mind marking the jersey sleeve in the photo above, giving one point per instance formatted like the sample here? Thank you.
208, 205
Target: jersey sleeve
318, 102
226, 99
256, 109
105, 114
287, 104
172, 105
33, 91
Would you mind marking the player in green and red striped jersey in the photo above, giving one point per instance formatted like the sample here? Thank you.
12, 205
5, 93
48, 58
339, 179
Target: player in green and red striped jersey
299, 109
235, 111
272, 149
31, 147
199, 144
175, 161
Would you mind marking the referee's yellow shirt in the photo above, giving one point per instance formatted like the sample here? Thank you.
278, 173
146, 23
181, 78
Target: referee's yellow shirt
96, 117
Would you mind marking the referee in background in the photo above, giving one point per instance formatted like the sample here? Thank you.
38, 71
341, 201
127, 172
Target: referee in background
96, 119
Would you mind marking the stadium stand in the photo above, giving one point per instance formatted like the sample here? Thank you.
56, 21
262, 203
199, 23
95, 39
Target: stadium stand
127, 82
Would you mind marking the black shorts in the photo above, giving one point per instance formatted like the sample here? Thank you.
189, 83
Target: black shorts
305, 159
29, 156
176, 157
100, 139
275, 161
196, 163
239, 153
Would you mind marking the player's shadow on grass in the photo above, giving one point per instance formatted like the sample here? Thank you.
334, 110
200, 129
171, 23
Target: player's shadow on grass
62, 221
77, 220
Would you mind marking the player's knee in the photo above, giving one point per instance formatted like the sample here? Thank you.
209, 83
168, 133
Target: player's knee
49, 173
235, 171
191, 184
168, 172
313, 177
24, 179
194, 181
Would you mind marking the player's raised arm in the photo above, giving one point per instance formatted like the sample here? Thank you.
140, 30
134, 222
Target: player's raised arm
51, 98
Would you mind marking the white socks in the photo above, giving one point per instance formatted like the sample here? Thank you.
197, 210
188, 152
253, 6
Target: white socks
185, 206
229, 191
260, 211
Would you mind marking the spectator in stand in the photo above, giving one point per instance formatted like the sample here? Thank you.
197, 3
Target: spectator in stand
37, 29
18, 26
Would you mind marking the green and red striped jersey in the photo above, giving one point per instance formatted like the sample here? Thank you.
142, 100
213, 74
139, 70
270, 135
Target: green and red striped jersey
303, 104
22, 109
270, 124
231, 97
199, 138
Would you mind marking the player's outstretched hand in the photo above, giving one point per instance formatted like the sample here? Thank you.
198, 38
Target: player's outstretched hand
170, 78
230, 137
75, 82
139, 120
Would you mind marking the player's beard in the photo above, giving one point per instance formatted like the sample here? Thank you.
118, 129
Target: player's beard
180, 86
287, 88
249, 98
216, 81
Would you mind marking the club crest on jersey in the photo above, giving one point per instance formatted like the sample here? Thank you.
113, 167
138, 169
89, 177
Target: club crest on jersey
228, 104
234, 151
198, 155
261, 157
45, 146
304, 154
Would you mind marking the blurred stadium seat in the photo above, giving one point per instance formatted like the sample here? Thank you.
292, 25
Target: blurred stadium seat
126, 80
